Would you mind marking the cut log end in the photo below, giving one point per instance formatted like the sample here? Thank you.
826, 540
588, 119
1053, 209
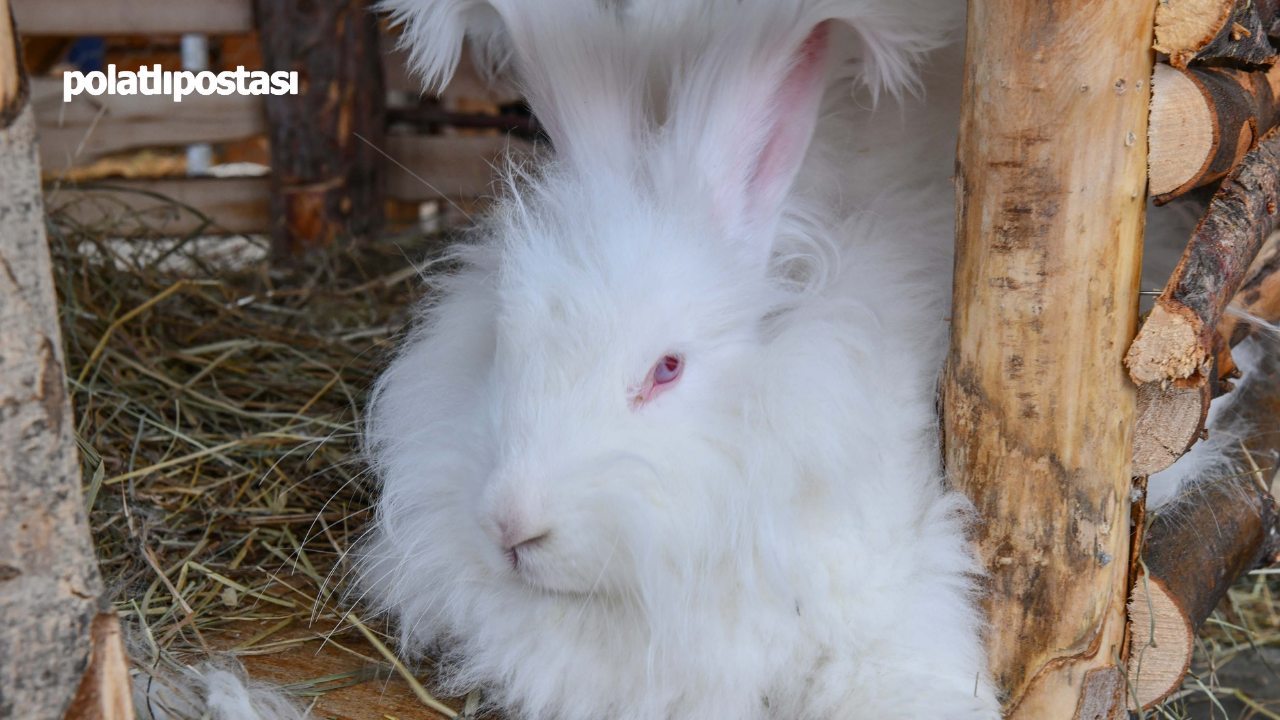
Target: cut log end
1160, 643
1214, 29
1169, 419
1186, 25
1169, 346
1181, 130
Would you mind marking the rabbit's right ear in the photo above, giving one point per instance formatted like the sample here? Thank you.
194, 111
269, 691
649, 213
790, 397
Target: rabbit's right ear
433, 31
743, 121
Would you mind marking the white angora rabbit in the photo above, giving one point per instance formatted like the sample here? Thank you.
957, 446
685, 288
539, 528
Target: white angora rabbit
665, 447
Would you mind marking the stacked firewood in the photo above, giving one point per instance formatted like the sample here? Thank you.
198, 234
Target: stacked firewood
1214, 114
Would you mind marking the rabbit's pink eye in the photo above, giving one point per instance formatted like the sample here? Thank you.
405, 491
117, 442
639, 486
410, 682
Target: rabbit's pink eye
660, 379
667, 370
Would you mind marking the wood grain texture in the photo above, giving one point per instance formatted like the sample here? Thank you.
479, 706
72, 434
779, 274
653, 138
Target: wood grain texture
1170, 418
1189, 30
1181, 133
50, 591
1038, 412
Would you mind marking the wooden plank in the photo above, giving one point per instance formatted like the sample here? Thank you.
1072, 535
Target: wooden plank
80, 132
132, 17
446, 167
452, 166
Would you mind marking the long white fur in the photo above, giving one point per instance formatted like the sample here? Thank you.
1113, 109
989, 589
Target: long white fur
770, 538
211, 691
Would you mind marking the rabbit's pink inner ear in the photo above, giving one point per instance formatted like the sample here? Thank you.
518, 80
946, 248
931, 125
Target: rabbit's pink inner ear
793, 114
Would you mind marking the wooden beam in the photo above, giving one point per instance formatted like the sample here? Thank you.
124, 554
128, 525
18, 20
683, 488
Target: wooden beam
447, 166
1038, 412
444, 167
84, 130
133, 17
51, 595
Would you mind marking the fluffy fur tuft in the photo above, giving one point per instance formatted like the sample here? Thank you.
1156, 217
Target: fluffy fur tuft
212, 691
770, 537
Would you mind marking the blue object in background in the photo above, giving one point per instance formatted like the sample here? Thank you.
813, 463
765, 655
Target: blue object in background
88, 54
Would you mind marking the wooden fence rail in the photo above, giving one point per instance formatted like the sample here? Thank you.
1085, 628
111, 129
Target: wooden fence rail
133, 17
79, 133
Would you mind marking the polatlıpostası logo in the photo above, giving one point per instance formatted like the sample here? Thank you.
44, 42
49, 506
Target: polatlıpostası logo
178, 83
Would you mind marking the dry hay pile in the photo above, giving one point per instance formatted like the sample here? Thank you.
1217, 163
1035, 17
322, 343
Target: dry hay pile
218, 413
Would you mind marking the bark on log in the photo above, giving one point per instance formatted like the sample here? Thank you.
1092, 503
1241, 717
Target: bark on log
1203, 122
1194, 552
1177, 340
1038, 411
327, 182
50, 592
1171, 416
1237, 30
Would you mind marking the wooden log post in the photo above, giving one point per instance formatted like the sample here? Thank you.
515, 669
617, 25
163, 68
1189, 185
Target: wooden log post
327, 181
1195, 550
1038, 411
60, 649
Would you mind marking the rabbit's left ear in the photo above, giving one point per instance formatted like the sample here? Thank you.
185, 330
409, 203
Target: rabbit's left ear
750, 125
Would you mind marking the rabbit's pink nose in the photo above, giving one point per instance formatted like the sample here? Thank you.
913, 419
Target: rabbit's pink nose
515, 541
